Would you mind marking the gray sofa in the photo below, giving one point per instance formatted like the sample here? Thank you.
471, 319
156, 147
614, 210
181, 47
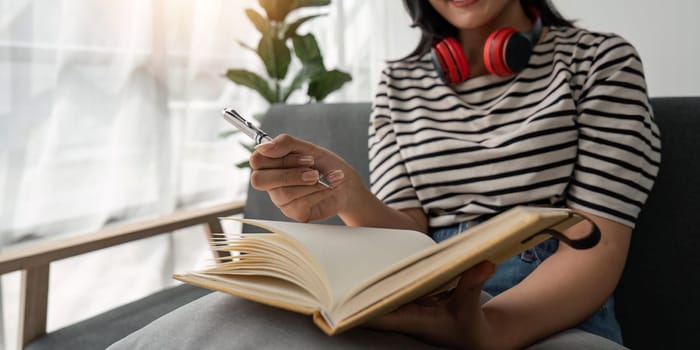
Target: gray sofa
657, 301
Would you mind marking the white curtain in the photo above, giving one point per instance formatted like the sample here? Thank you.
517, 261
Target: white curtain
109, 111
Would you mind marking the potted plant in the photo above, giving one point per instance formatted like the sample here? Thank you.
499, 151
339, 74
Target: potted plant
273, 49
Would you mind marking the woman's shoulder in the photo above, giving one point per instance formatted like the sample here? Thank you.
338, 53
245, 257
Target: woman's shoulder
587, 42
409, 67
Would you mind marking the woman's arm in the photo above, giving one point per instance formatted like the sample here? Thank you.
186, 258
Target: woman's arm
365, 209
566, 288
283, 168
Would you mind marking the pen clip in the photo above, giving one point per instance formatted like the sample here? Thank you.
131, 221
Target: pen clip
245, 126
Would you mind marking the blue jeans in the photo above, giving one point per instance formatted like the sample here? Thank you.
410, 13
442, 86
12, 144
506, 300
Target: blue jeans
515, 269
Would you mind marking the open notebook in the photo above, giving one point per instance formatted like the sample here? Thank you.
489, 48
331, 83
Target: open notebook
344, 276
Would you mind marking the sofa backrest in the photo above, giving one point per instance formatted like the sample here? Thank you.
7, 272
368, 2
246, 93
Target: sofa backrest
657, 299
340, 127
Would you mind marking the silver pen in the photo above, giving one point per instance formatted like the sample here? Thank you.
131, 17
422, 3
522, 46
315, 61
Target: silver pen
257, 135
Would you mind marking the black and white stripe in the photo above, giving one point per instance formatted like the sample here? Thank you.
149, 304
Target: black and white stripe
574, 128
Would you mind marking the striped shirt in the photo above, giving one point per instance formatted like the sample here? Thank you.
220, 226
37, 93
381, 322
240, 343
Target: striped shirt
575, 129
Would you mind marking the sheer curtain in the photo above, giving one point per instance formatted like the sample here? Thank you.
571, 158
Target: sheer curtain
109, 111
359, 36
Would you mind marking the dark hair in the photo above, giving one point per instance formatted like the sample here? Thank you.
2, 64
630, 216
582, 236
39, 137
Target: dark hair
435, 28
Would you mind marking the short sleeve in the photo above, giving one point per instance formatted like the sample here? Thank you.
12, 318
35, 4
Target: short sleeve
389, 180
619, 148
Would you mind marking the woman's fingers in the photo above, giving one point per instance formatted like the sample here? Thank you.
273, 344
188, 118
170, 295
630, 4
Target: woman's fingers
289, 170
452, 321
283, 196
409, 318
269, 179
477, 275
293, 160
317, 205
284, 144
467, 294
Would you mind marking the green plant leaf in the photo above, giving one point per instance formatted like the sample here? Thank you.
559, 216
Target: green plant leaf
253, 81
243, 165
296, 84
309, 3
260, 22
250, 147
313, 68
246, 46
226, 134
322, 84
291, 29
277, 10
275, 55
303, 75
306, 48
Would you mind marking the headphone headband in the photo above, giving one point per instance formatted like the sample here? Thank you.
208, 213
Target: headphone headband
534, 34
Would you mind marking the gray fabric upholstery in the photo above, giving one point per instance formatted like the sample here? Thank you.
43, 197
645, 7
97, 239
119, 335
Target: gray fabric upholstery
102, 330
219, 321
657, 299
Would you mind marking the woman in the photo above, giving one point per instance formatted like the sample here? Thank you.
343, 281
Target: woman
450, 148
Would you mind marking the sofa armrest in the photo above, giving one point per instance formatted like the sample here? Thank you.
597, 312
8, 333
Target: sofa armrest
34, 260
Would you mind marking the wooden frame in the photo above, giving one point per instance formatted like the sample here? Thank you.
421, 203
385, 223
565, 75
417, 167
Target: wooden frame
34, 260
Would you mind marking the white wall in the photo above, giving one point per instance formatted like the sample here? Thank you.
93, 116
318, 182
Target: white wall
664, 32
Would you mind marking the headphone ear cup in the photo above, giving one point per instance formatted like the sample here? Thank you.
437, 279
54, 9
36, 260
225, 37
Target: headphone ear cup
495, 51
517, 52
450, 61
438, 54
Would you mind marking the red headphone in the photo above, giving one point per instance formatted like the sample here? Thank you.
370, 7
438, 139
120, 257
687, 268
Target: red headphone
505, 52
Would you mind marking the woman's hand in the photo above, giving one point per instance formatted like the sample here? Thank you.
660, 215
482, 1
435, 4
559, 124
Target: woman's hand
455, 320
561, 285
288, 169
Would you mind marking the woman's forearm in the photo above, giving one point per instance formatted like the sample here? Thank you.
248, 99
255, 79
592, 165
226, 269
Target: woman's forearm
364, 209
563, 290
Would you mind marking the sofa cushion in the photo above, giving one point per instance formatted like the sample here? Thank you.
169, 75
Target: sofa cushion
221, 321
104, 329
